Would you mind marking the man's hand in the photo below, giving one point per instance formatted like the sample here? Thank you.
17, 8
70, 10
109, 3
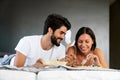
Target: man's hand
39, 63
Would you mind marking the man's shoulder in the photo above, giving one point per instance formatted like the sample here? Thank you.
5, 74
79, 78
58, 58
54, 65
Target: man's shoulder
31, 37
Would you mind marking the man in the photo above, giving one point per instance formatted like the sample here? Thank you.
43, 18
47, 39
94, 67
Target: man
31, 49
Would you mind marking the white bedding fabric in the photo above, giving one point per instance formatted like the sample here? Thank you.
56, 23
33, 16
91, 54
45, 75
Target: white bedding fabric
16, 75
78, 75
56, 74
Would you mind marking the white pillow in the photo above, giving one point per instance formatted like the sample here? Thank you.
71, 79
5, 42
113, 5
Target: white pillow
16, 75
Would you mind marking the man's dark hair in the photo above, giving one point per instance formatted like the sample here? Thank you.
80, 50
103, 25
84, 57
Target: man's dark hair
55, 21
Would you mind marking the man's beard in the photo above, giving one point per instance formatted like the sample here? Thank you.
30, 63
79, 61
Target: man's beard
54, 40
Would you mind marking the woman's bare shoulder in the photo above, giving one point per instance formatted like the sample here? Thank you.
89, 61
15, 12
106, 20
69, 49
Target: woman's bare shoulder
98, 51
71, 48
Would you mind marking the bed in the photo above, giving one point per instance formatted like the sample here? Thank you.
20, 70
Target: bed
58, 73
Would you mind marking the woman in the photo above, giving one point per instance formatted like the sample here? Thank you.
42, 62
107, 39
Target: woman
84, 52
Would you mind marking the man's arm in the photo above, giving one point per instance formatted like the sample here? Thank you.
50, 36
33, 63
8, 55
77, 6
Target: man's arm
19, 59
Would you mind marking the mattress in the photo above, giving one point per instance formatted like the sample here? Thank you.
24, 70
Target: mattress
16, 75
58, 73
78, 75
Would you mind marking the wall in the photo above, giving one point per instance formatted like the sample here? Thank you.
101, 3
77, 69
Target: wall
19, 18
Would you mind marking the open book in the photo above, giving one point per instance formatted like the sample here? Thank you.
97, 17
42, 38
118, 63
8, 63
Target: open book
56, 68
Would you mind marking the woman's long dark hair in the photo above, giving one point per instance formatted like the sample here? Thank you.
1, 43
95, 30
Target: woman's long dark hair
88, 31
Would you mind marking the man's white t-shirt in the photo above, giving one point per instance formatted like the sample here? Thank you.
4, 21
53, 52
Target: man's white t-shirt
30, 46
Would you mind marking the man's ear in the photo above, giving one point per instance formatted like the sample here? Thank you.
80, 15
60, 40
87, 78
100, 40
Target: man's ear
50, 30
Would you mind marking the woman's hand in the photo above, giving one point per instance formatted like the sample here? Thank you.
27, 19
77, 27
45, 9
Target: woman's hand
96, 61
92, 60
70, 59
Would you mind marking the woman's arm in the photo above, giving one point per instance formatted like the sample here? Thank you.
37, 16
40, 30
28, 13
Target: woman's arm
101, 57
70, 56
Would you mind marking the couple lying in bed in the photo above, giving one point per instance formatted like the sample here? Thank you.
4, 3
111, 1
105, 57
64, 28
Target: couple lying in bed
84, 51
36, 50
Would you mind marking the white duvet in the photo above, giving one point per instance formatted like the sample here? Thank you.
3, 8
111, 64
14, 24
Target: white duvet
16, 75
78, 75
81, 73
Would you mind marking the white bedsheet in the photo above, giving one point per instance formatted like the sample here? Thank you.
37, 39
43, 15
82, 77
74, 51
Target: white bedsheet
78, 75
16, 75
58, 73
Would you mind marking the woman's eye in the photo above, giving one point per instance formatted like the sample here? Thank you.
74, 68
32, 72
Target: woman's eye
79, 41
